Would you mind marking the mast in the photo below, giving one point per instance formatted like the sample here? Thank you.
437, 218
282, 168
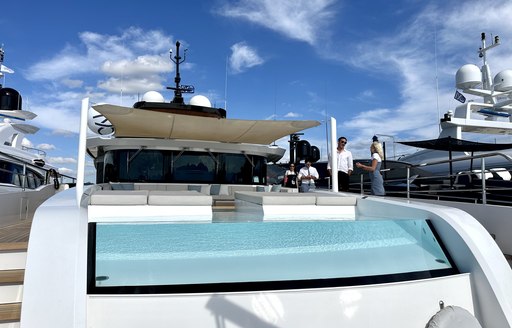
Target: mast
179, 89
486, 71
2, 54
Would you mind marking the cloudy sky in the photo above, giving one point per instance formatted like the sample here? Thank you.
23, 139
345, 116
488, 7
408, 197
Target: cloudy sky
378, 67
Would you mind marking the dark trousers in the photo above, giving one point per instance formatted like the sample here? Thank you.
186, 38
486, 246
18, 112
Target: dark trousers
343, 180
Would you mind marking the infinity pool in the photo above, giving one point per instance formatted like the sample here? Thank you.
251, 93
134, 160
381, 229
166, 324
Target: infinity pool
145, 254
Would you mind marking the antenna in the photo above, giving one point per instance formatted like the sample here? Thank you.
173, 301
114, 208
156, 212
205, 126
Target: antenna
179, 89
226, 87
486, 71
2, 75
437, 82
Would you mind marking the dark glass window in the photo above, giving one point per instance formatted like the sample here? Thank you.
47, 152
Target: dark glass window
178, 166
194, 167
10, 173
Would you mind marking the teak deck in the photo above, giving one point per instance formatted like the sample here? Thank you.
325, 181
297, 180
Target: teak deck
16, 233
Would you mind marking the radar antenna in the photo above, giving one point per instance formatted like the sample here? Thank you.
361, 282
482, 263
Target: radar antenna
179, 89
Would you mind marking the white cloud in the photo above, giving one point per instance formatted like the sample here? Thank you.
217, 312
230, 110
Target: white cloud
140, 66
243, 57
72, 83
46, 146
292, 115
366, 95
303, 20
101, 49
62, 132
131, 85
66, 171
61, 160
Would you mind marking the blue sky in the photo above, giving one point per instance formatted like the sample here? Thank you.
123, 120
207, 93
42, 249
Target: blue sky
378, 67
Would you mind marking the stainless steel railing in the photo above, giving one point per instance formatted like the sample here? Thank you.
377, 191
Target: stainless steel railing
444, 190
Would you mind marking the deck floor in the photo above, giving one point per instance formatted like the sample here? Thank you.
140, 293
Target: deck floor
16, 233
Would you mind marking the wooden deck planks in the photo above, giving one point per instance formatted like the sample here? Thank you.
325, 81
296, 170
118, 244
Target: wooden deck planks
12, 277
10, 312
14, 233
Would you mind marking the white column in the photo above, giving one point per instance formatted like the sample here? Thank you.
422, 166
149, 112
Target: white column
334, 157
80, 170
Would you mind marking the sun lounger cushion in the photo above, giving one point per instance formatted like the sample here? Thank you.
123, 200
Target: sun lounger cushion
179, 198
335, 200
119, 197
275, 198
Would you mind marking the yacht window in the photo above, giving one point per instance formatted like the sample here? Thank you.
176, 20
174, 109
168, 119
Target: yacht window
5, 172
31, 183
180, 166
146, 166
194, 167
11, 173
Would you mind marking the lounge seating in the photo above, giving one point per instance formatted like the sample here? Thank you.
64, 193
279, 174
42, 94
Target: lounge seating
181, 198
119, 197
155, 205
296, 205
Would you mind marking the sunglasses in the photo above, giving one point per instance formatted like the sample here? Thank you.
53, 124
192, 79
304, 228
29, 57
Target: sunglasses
343, 142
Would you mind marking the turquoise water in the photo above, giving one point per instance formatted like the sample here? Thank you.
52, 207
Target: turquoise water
191, 253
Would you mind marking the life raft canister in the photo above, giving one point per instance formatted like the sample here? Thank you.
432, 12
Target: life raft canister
453, 317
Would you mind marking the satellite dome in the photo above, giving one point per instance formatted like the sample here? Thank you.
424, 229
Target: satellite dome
503, 81
153, 96
200, 101
99, 123
468, 76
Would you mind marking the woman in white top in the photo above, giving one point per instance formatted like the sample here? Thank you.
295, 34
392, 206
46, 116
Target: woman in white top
374, 169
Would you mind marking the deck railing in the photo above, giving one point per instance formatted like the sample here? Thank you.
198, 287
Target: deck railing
448, 187
20, 177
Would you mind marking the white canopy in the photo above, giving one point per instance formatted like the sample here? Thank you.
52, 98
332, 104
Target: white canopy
134, 122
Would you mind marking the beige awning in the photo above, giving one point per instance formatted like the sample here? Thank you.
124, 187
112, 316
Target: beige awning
133, 122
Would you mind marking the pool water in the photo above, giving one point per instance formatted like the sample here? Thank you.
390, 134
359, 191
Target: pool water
142, 254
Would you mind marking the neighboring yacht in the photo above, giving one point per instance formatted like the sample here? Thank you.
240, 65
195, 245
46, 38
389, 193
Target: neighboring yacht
26, 179
475, 177
491, 117
181, 229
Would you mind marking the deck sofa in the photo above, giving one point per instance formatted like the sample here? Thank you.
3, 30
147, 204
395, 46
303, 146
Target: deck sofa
219, 192
129, 201
153, 205
296, 205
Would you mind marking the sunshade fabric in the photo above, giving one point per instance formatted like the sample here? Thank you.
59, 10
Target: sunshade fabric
133, 122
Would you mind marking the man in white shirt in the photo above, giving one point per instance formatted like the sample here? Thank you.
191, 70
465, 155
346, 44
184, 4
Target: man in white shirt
307, 175
345, 164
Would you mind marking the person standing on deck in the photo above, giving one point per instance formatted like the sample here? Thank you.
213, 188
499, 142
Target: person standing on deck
345, 164
374, 169
307, 176
290, 177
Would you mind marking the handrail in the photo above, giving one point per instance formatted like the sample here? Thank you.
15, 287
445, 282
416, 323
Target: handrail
484, 189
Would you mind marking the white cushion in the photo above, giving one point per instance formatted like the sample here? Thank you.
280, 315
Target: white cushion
336, 200
119, 197
190, 197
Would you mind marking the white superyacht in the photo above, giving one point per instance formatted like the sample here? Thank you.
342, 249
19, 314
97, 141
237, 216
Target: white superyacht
150, 244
